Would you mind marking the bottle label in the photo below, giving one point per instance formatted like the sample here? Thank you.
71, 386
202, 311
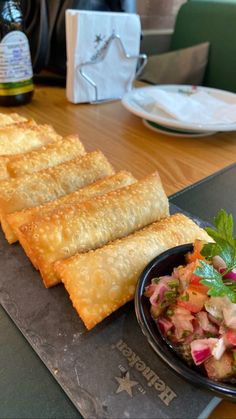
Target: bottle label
15, 64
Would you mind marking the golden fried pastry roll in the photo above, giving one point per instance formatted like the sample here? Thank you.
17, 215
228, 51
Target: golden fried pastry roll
4, 160
93, 223
50, 155
28, 215
29, 138
10, 118
101, 281
25, 136
44, 186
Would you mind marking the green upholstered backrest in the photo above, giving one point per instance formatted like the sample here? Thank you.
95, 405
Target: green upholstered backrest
214, 22
214, 1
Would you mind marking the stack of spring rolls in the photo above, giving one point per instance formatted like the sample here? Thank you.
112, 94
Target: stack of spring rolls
78, 221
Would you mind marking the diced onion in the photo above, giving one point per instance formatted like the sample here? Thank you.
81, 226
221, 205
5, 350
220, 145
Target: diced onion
230, 275
218, 263
219, 349
201, 349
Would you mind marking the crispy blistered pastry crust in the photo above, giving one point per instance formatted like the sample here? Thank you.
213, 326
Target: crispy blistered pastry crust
26, 144
101, 281
93, 223
19, 218
4, 160
10, 118
21, 137
25, 136
109, 183
68, 148
49, 184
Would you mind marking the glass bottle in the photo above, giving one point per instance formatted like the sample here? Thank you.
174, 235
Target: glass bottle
16, 85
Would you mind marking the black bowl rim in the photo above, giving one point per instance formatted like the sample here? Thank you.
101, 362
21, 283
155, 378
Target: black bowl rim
179, 367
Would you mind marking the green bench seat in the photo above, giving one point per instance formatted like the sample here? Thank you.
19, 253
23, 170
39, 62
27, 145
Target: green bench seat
214, 22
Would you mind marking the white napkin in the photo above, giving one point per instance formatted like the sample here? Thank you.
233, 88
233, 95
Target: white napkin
87, 35
200, 107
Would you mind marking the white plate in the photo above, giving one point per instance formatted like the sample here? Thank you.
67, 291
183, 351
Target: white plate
133, 101
175, 133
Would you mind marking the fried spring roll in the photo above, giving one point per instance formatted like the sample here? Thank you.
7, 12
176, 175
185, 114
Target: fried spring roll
101, 281
49, 184
93, 223
10, 118
50, 155
25, 136
18, 219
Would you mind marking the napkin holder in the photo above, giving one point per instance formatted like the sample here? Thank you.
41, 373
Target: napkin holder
103, 55
81, 68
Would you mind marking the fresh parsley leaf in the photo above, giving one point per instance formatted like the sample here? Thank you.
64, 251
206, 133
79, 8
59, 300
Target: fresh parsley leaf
209, 250
225, 243
224, 224
209, 273
224, 246
228, 254
213, 280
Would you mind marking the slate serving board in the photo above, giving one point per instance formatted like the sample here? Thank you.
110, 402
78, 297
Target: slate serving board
108, 372
204, 198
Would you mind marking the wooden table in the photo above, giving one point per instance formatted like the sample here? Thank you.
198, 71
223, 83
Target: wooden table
128, 144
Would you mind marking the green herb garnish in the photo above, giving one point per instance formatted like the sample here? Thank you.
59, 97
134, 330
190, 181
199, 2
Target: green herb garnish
173, 283
225, 247
169, 312
155, 280
185, 333
170, 294
185, 297
210, 335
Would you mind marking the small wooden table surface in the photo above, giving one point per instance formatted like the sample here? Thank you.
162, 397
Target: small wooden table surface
129, 145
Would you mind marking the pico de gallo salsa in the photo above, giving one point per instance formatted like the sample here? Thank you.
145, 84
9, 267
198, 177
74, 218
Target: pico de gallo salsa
195, 306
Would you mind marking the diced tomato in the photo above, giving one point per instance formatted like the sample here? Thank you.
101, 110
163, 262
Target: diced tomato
196, 284
184, 274
192, 300
230, 337
182, 320
196, 254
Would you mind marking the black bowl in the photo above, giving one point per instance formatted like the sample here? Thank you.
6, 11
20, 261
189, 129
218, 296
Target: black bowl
164, 265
